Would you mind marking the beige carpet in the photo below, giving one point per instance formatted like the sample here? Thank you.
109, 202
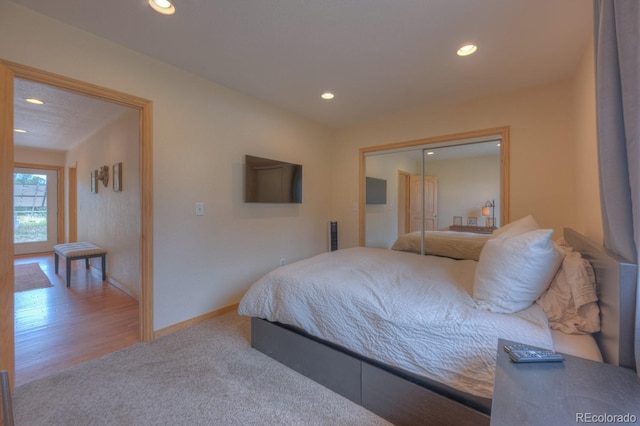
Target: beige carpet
205, 375
29, 276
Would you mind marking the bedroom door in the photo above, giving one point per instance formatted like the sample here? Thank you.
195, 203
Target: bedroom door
430, 203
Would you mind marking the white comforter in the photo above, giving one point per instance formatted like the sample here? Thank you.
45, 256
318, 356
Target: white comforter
406, 310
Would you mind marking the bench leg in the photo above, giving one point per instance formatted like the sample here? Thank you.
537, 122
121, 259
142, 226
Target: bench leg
104, 272
68, 272
86, 262
56, 265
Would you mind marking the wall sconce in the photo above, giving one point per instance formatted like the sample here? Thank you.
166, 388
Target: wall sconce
103, 175
488, 210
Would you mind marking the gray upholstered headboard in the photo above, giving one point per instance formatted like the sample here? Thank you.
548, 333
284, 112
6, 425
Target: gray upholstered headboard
616, 286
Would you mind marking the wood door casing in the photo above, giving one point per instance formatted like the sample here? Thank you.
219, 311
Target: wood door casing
73, 204
430, 203
9, 71
404, 196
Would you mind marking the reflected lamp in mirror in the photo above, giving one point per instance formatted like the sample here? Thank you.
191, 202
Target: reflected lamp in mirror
488, 209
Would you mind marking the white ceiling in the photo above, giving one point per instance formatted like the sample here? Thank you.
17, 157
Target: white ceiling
378, 56
65, 119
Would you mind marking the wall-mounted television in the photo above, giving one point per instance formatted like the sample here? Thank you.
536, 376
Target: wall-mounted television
376, 191
272, 181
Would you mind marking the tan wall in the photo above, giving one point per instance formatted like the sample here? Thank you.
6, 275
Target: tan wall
464, 186
107, 218
542, 144
201, 132
38, 156
587, 191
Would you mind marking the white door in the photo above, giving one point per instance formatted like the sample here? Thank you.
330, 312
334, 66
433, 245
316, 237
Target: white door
35, 210
430, 200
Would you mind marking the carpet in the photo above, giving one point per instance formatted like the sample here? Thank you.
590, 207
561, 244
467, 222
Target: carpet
204, 375
29, 276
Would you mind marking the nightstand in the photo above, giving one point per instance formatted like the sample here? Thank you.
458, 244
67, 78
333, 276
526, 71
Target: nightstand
561, 393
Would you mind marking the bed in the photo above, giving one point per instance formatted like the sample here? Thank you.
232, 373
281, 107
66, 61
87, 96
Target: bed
453, 244
314, 333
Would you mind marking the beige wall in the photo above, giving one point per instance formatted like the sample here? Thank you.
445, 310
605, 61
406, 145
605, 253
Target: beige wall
108, 218
587, 191
464, 185
201, 132
38, 156
542, 144
382, 219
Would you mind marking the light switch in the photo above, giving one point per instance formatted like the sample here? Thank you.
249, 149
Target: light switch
199, 209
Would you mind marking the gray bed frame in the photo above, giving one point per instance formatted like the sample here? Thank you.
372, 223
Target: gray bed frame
405, 398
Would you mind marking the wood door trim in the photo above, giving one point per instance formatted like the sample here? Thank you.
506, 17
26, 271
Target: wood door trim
7, 332
9, 70
72, 211
60, 199
406, 176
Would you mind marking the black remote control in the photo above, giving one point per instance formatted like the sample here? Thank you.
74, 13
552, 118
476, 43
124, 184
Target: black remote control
519, 352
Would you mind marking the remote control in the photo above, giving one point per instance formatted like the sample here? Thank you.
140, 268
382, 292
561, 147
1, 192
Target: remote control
519, 347
534, 355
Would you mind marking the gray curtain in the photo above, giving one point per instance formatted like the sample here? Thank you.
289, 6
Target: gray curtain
617, 53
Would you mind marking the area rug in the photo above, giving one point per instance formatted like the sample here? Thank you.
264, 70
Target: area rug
29, 276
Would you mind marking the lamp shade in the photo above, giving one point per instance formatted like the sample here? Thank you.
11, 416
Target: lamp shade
486, 211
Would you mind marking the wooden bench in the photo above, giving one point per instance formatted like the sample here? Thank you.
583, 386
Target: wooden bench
76, 251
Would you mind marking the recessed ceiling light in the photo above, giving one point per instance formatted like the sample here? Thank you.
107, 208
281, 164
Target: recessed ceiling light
430, 153
498, 145
163, 6
19, 131
467, 49
327, 96
34, 101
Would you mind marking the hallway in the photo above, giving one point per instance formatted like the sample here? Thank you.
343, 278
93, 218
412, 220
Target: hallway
58, 327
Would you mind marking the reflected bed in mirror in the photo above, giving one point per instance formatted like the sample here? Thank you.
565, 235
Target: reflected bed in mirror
432, 181
456, 245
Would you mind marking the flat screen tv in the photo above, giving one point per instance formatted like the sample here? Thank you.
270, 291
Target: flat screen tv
272, 181
376, 191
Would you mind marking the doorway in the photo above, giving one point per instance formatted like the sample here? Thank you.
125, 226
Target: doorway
9, 71
423, 202
35, 209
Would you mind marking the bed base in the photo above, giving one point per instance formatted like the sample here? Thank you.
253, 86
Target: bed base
395, 395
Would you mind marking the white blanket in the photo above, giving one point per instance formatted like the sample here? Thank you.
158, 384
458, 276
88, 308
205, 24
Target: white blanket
456, 245
406, 310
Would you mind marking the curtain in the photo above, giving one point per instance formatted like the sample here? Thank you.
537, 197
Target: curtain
617, 57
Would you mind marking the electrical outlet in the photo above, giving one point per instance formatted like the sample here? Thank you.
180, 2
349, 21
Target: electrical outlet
283, 261
199, 209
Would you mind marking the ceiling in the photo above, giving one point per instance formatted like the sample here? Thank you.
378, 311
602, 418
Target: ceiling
65, 119
379, 57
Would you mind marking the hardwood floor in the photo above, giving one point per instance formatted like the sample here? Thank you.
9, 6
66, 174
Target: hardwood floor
59, 327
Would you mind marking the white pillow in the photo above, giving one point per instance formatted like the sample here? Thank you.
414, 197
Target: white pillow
570, 302
513, 271
520, 226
